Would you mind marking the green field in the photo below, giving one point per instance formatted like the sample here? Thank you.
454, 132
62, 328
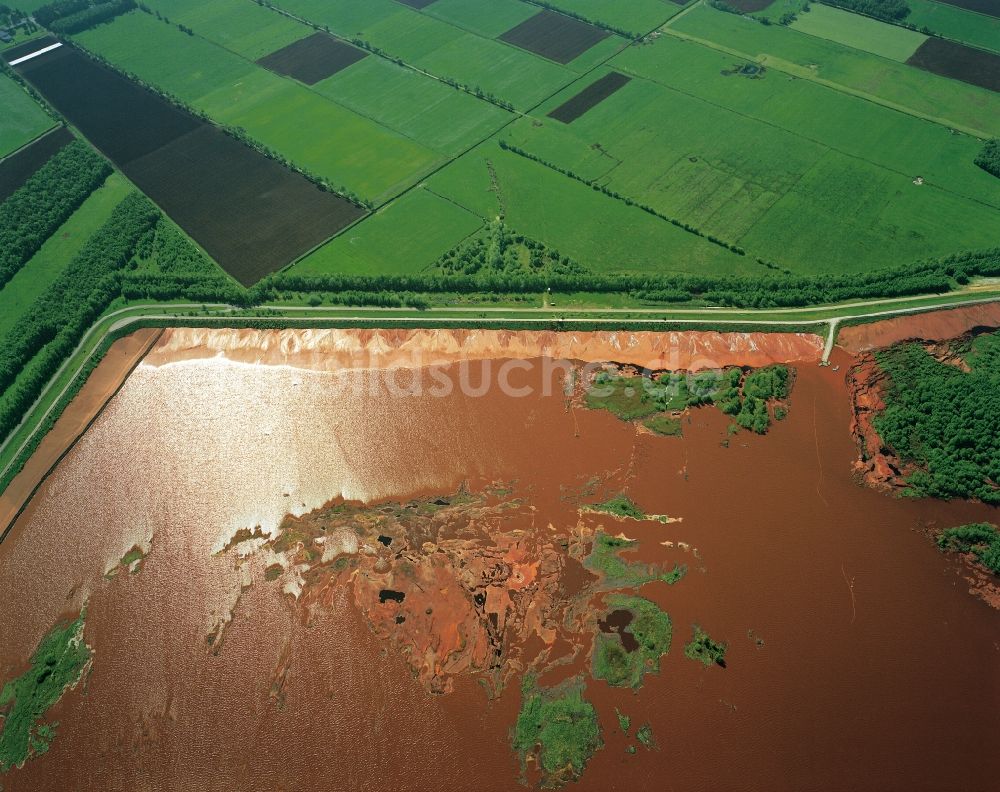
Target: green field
403, 237
423, 109
601, 233
20, 293
835, 119
245, 28
23, 119
450, 49
311, 130
956, 23
635, 16
897, 85
863, 33
811, 205
484, 19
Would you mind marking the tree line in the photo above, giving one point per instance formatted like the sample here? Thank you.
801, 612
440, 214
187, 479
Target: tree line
48, 333
90, 16
737, 291
45, 201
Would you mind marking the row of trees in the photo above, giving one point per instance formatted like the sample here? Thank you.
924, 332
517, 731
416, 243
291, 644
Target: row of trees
889, 10
44, 202
90, 16
932, 276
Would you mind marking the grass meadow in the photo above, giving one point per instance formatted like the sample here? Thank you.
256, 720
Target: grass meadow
422, 109
23, 118
601, 233
404, 237
863, 33
245, 28
897, 141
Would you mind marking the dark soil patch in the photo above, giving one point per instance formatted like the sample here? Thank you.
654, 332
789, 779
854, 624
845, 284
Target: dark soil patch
959, 62
554, 36
124, 120
417, 3
988, 7
251, 214
749, 6
313, 58
589, 97
19, 167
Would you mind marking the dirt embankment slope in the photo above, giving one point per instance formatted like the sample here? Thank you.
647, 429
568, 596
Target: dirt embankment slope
933, 326
332, 349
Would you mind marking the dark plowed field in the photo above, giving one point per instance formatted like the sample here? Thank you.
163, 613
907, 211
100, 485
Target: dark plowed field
589, 97
988, 7
417, 3
19, 167
122, 119
250, 213
959, 62
554, 36
749, 6
28, 47
312, 59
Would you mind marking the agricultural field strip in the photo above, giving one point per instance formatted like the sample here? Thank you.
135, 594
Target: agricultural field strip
792, 69
450, 22
389, 56
826, 145
918, 18
252, 63
120, 318
515, 116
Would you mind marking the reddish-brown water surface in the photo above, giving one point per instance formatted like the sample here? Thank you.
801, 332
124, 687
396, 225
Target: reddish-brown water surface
878, 669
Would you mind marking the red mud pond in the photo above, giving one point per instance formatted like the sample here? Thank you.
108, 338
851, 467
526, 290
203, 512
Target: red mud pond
340, 578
